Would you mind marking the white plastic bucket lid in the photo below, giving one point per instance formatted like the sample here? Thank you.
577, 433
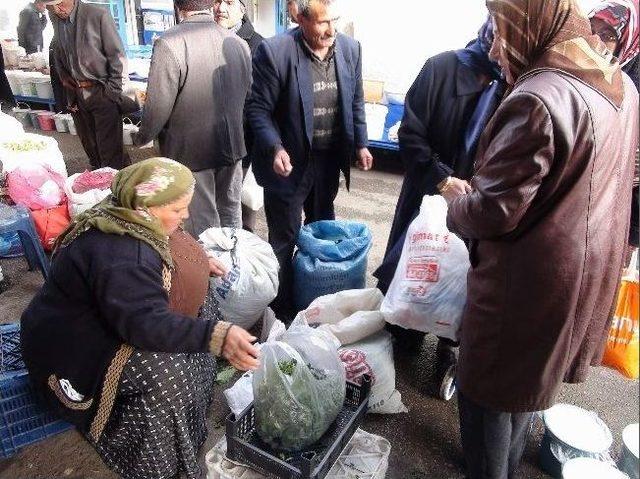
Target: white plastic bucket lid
630, 437
578, 428
589, 468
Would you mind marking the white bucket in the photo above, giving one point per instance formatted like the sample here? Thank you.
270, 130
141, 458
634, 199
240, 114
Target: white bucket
71, 125
27, 88
629, 461
44, 89
128, 130
376, 116
61, 123
589, 468
572, 432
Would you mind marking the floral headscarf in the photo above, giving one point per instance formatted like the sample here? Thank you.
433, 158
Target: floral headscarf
622, 16
152, 182
554, 34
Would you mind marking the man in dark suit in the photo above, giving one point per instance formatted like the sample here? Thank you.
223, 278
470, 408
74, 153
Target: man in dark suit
90, 61
33, 21
307, 115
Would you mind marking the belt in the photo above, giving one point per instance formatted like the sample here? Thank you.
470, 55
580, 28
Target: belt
83, 84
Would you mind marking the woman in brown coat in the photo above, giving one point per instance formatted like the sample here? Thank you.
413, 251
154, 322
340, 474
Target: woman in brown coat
554, 162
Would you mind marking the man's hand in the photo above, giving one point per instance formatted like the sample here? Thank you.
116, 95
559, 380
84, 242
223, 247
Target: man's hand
216, 268
282, 163
454, 188
239, 350
364, 159
72, 108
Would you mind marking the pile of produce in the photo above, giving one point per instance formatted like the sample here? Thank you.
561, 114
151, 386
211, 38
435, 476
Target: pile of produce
25, 145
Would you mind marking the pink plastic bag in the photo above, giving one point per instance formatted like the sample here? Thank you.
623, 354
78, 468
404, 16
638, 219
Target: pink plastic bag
36, 187
94, 180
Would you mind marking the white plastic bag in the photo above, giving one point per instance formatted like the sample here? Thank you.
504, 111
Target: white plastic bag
240, 395
10, 128
80, 202
374, 356
331, 308
429, 288
28, 148
252, 193
251, 282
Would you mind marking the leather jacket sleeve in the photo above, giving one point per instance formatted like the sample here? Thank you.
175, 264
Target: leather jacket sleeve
517, 155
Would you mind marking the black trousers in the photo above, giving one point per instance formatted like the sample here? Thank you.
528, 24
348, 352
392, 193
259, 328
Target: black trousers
99, 125
493, 442
314, 195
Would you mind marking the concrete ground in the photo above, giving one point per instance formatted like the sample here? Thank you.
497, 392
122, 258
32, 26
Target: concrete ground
425, 442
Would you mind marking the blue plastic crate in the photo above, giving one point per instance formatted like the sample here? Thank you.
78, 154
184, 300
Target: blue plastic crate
10, 351
23, 420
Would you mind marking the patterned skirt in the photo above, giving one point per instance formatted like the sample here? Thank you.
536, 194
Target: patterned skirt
158, 422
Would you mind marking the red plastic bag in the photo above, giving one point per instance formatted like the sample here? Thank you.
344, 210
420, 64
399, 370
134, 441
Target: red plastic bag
50, 223
36, 186
94, 180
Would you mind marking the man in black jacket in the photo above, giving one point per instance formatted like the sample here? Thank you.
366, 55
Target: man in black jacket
231, 14
33, 21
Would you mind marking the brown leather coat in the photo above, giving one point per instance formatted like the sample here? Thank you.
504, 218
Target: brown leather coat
548, 216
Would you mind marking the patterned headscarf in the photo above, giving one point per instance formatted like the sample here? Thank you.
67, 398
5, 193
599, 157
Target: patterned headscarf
153, 182
622, 16
537, 34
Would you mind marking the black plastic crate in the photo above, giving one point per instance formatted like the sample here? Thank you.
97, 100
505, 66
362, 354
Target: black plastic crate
10, 352
315, 462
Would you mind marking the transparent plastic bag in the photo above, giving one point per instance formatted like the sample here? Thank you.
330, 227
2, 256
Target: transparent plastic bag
299, 388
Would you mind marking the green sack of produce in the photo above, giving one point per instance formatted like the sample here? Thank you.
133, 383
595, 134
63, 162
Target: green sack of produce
299, 388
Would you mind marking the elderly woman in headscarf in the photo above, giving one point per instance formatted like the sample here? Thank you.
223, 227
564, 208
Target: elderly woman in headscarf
552, 165
616, 23
445, 111
118, 341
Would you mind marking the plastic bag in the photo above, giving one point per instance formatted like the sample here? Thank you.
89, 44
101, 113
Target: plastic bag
240, 395
9, 127
30, 149
349, 315
36, 186
622, 347
252, 192
299, 388
374, 356
331, 257
50, 223
80, 198
251, 282
429, 289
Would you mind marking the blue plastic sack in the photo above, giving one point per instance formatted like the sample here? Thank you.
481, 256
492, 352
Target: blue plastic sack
10, 245
331, 257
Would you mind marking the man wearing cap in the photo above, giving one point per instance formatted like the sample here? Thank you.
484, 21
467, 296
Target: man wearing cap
198, 82
231, 14
33, 21
90, 61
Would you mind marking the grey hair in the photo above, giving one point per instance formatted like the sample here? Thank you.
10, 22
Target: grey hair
304, 6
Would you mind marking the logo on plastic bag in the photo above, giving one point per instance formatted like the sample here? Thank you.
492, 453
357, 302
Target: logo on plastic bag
424, 268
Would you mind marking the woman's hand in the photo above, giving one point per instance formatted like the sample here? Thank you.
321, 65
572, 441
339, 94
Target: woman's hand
216, 267
239, 350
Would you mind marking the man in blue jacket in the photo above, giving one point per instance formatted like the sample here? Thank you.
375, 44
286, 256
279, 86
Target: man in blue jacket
307, 114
